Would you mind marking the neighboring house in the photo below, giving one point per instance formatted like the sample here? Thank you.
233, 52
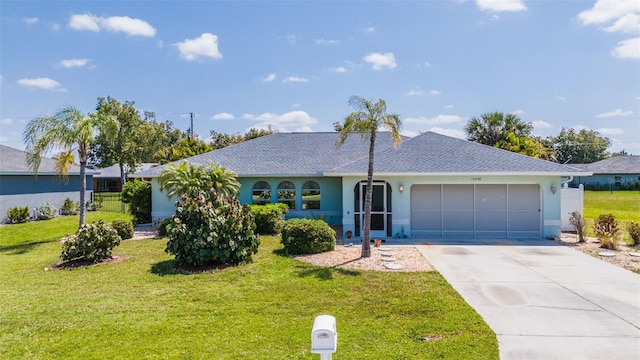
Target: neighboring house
432, 186
108, 179
615, 173
19, 186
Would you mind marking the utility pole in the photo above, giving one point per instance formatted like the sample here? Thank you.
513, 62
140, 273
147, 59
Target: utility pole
191, 125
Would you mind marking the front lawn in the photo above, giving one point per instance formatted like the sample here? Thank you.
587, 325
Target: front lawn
142, 307
624, 205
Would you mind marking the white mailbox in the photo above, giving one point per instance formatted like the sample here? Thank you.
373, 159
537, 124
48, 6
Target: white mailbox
324, 337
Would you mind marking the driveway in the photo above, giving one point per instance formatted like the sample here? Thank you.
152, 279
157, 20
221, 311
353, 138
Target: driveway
543, 300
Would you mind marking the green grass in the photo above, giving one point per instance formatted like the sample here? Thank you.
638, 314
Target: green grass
624, 205
142, 307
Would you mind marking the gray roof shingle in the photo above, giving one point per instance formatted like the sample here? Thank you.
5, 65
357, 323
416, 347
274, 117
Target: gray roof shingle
14, 161
615, 165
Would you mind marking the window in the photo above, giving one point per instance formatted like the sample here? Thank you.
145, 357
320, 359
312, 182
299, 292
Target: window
618, 178
261, 193
287, 194
311, 195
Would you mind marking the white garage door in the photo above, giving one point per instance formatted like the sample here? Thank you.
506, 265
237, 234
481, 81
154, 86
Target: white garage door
475, 211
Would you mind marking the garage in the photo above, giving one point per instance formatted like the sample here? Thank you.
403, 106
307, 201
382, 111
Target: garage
475, 211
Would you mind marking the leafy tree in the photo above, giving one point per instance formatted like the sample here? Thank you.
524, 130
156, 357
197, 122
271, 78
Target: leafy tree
120, 147
191, 179
154, 136
221, 140
583, 147
491, 128
368, 116
68, 130
183, 149
525, 145
137, 194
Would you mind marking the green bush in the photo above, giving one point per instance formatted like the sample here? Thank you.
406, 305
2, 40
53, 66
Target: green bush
46, 211
123, 228
269, 218
607, 231
579, 224
92, 242
69, 207
218, 231
18, 214
634, 232
137, 193
306, 236
162, 227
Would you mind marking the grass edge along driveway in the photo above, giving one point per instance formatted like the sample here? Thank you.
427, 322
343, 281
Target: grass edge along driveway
142, 307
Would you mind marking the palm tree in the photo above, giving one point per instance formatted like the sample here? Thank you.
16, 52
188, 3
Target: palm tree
186, 178
368, 116
69, 131
493, 127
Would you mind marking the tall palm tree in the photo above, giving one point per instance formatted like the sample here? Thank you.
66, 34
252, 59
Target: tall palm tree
68, 130
490, 128
368, 116
186, 178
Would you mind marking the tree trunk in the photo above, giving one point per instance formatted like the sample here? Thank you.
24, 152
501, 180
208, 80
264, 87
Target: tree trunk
122, 177
366, 223
83, 183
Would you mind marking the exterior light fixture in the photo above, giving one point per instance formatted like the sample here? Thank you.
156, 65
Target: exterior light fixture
553, 188
401, 188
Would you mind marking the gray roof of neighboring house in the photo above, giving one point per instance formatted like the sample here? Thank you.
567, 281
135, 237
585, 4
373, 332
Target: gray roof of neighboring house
312, 154
285, 154
14, 162
616, 165
434, 153
113, 171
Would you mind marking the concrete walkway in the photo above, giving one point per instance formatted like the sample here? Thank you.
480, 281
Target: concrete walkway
543, 300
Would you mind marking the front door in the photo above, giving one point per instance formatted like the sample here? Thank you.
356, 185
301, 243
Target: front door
378, 209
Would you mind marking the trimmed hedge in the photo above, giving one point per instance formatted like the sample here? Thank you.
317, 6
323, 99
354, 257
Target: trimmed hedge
307, 236
269, 218
123, 228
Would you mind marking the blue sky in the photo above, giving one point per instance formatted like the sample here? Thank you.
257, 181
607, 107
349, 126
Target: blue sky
293, 65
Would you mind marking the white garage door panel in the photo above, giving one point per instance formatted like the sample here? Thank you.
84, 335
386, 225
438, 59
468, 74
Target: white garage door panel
476, 211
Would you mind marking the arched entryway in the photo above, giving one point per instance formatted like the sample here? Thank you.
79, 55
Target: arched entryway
380, 208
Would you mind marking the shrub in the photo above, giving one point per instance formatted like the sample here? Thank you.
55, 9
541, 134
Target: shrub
306, 236
137, 193
92, 242
269, 218
94, 206
46, 211
69, 207
217, 230
123, 228
162, 227
18, 214
579, 224
634, 232
607, 231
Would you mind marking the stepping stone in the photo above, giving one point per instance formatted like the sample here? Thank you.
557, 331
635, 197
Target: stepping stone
634, 254
607, 254
385, 249
393, 266
388, 254
388, 259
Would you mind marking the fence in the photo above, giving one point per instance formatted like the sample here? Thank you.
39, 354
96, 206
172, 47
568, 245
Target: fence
572, 200
110, 201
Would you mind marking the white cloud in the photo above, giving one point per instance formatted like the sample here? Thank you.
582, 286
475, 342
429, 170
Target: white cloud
42, 83
579, 127
295, 79
55, 27
517, 112
501, 5
370, 29
30, 21
410, 133
415, 92
339, 69
292, 39
610, 131
434, 93
6, 121
541, 124
379, 60
450, 106
204, 46
450, 132
327, 42
160, 44
560, 98
630, 23
296, 120
296, 105
438, 120
269, 78
3, 139
627, 49
71, 63
123, 24
603, 11
615, 113
222, 116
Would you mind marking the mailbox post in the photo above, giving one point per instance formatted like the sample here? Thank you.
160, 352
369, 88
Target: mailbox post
324, 337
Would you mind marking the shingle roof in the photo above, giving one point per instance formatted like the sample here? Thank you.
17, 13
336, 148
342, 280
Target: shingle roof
277, 154
13, 161
312, 154
113, 171
615, 165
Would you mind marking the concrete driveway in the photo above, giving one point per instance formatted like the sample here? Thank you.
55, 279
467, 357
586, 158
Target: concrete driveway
543, 300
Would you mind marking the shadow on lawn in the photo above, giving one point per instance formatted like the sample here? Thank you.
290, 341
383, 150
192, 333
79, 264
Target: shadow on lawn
20, 249
320, 272
172, 267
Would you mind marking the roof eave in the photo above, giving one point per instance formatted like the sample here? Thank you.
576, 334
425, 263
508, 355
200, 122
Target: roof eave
510, 173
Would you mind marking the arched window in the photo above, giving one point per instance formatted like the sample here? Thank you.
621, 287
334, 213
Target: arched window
287, 194
311, 195
261, 193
